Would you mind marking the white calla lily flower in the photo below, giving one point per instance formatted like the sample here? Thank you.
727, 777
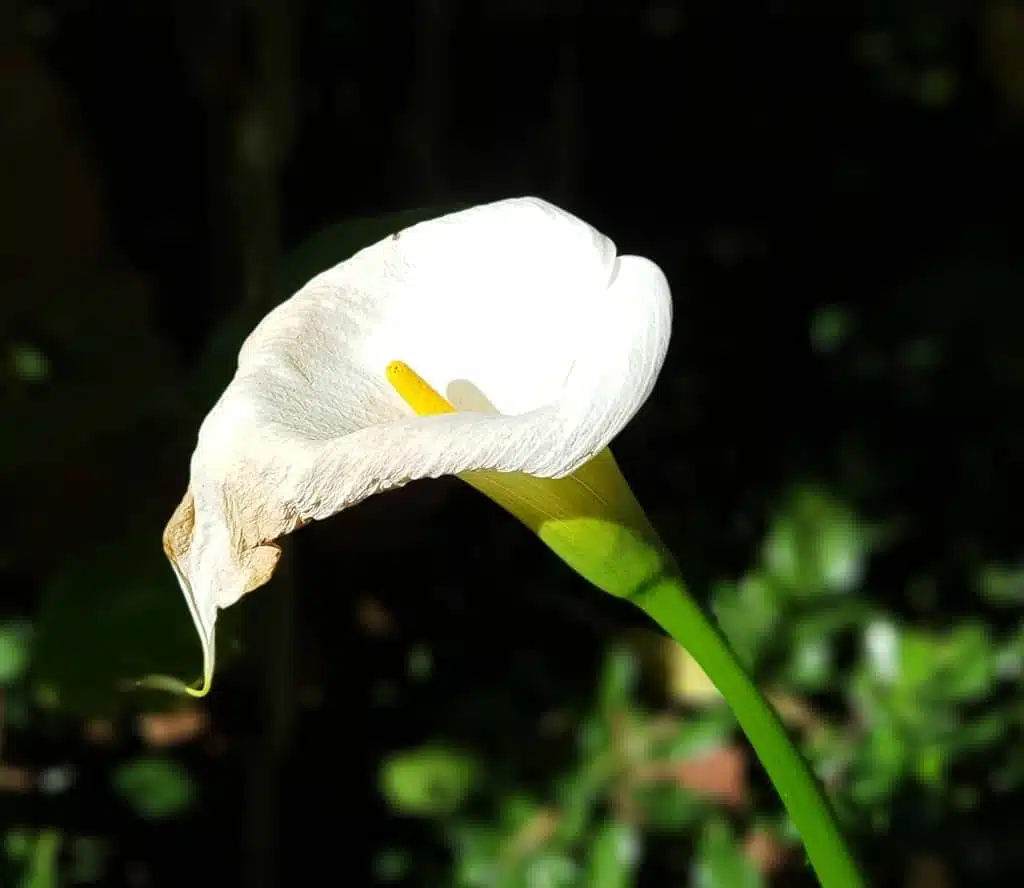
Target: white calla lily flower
514, 322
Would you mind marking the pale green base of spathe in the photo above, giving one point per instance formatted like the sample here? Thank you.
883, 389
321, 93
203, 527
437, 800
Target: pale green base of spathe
592, 521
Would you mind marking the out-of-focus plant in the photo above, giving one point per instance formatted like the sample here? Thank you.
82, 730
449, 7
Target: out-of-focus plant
628, 781
886, 712
150, 787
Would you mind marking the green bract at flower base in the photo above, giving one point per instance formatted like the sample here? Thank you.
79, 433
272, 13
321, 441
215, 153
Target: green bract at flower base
545, 343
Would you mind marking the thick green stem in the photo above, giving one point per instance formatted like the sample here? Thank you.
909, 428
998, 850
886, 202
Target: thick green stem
669, 603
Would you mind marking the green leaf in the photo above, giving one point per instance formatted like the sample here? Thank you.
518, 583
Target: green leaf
667, 807
749, 613
431, 781
511, 875
985, 731
1002, 585
816, 545
931, 765
720, 862
703, 732
517, 811
89, 856
156, 788
111, 617
618, 680
578, 795
42, 869
957, 666
550, 871
391, 865
969, 662
882, 648
613, 856
919, 658
14, 651
830, 328
811, 661
420, 662
594, 735
881, 764
476, 848
29, 363
18, 843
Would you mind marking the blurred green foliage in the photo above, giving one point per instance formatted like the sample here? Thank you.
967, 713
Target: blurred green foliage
156, 788
14, 651
40, 855
429, 781
881, 708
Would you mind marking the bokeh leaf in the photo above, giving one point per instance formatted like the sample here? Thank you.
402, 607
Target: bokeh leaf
618, 680
156, 788
816, 545
1001, 585
720, 862
748, 612
42, 868
14, 651
701, 733
551, 870
476, 847
429, 781
613, 856
666, 806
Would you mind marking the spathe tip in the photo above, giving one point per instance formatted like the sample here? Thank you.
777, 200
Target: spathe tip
173, 685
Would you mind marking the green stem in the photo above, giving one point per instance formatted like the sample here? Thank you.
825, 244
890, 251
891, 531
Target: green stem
669, 603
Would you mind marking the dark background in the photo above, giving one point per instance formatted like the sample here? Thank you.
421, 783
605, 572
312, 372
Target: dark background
835, 193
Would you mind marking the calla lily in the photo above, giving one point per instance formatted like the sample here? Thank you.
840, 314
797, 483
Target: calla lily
505, 343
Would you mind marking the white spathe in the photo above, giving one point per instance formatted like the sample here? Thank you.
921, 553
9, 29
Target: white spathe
522, 315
